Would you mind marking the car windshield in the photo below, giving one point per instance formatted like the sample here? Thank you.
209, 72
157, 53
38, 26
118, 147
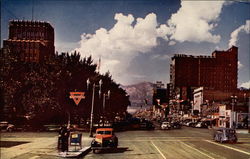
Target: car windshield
104, 132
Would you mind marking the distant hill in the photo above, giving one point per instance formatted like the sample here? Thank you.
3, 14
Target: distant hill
139, 93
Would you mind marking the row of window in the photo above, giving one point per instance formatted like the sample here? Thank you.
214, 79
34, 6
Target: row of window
30, 35
29, 55
25, 45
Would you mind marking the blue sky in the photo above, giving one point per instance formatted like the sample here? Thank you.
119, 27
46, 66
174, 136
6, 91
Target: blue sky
136, 38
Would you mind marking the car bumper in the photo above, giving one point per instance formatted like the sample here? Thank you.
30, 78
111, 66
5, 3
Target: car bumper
102, 145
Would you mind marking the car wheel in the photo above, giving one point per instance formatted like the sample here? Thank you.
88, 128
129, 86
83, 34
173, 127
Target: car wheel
94, 151
221, 141
214, 137
9, 130
235, 140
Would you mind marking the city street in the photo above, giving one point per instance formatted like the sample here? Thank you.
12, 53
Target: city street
179, 143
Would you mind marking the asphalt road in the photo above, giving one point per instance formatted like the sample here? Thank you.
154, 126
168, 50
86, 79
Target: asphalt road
185, 143
180, 143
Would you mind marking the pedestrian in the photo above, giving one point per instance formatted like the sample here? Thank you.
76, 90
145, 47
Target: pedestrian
59, 142
234, 125
245, 121
65, 139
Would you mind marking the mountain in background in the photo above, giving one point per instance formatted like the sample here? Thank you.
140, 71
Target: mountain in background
141, 94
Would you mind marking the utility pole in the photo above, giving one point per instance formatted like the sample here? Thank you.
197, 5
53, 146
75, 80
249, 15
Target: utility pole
92, 112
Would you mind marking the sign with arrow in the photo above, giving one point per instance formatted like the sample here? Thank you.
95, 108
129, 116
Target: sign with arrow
77, 96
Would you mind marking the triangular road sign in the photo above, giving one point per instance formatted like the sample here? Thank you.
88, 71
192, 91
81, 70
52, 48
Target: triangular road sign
77, 96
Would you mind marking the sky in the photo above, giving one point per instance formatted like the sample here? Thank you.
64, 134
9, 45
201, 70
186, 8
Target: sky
135, 39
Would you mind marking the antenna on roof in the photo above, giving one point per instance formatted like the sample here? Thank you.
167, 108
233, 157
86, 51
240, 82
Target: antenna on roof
32, 9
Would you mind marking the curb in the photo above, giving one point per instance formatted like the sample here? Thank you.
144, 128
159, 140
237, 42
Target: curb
74, 154
242, 131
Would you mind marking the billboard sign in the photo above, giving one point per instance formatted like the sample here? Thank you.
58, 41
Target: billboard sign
197, 101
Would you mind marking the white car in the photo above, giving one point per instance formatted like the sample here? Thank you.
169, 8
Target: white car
198, 125
165, 125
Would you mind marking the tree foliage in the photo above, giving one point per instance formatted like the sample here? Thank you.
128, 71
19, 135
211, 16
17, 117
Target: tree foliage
40, 91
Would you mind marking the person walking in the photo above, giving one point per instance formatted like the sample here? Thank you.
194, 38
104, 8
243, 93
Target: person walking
59, 142
64, 139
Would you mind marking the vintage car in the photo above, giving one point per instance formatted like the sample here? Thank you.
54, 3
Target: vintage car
166, 125
201, 124
147, 125
225, 135
104, 139
175, 124
6, 126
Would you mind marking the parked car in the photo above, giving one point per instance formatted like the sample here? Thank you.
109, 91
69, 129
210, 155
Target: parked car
225, 135
190, 124
147, 125
51, 128
198, 125
185, 122
105, 138
176, 125
166, 125
201, 124
6, 126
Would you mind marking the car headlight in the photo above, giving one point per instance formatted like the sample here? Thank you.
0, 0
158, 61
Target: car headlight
98, 140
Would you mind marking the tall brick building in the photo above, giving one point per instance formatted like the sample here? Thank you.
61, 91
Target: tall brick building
216, 72
33, 41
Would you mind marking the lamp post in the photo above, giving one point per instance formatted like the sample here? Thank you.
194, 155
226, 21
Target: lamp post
103, 104
234, 101
93, 102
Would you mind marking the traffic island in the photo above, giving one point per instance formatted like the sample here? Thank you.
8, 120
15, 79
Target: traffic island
75, 148
74, 154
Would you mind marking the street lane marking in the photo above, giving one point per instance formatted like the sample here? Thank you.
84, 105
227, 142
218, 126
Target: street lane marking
165, 140
228, 147
158, 150
34, 157
170, 137
197, 150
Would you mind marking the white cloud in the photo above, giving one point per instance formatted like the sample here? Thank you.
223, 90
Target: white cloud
172, 43
240, 65
160, 57
195, 21
246, 85
130, 36
234, 35
124, 41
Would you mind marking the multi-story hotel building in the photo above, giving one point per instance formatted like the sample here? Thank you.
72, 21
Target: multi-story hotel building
33, 41
216, 72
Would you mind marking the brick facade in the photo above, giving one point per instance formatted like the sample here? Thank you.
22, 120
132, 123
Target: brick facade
33, 41
216, 72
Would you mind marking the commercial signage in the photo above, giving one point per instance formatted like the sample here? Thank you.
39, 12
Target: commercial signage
77, 96
222, 111
198, 101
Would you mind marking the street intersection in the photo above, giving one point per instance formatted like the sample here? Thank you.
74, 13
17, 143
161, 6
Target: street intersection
178, 143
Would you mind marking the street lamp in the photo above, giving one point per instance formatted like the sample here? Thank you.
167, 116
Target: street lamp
103, 104
234, 101
93, 101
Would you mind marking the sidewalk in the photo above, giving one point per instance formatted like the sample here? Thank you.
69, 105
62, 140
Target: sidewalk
242, 131
38, 146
